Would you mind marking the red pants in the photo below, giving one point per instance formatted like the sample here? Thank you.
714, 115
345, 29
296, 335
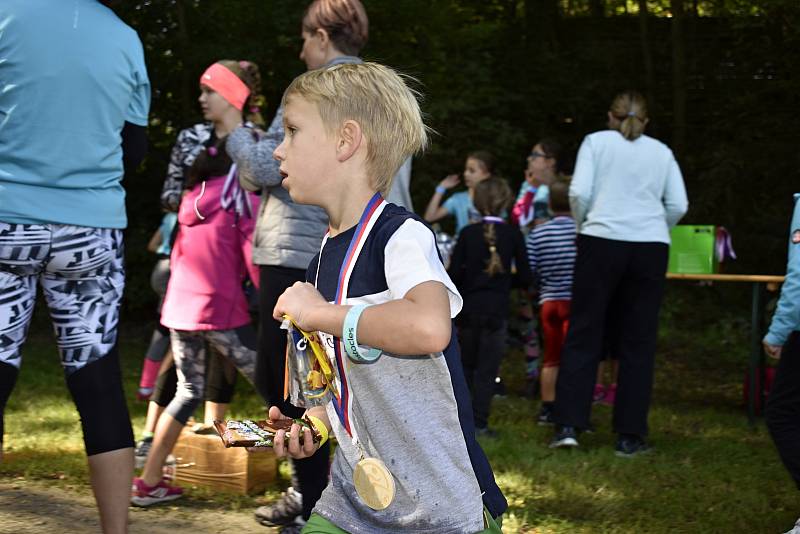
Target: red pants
555, 320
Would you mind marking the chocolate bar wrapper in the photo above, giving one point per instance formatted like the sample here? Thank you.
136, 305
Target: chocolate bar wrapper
249, 433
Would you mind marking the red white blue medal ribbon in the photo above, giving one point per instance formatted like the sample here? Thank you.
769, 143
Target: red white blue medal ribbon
344, 402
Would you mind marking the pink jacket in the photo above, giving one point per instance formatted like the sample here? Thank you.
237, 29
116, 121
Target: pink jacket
210, 259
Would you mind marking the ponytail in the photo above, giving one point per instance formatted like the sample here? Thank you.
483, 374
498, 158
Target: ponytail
630, 108
494, 265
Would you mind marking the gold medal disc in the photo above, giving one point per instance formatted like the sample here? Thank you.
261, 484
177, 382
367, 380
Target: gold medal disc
374, 483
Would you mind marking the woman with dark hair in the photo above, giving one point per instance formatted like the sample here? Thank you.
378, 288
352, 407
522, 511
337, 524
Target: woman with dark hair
626, 193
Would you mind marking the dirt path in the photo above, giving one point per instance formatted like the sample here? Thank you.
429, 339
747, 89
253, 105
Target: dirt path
33, 507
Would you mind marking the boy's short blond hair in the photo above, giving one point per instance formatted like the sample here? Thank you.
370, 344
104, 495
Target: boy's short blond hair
379, 100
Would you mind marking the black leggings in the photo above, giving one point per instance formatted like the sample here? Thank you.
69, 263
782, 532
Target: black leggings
219, 387
483, 344
310, 475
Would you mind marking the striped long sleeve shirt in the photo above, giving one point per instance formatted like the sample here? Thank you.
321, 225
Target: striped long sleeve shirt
551, 254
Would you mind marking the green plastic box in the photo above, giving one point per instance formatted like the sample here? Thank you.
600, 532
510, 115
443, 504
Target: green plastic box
692, 250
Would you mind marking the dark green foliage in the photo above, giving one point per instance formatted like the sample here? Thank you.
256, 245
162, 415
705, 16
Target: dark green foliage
500, 74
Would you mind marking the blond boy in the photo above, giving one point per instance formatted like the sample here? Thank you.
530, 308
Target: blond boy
348, 129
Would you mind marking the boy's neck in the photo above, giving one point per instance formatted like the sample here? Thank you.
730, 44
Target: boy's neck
345, 211
562, 214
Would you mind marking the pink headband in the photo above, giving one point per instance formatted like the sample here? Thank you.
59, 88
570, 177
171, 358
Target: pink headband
227, 84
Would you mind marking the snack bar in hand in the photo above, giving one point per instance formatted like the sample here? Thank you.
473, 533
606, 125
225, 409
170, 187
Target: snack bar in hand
247, 433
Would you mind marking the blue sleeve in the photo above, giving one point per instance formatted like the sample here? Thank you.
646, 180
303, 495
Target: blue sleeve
787, 314
451, 204
139, 106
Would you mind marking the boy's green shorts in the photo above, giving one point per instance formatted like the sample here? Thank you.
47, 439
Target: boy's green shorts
319, 525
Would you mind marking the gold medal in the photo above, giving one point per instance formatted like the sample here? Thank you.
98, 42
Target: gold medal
374, 483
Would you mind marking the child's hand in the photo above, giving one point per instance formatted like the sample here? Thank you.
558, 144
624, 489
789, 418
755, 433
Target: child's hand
292, 446
450, 181
298, 302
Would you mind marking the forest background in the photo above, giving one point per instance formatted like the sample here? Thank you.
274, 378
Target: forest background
721, 77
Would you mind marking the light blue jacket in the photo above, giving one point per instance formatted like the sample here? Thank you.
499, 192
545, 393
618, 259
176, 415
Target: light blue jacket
787, 315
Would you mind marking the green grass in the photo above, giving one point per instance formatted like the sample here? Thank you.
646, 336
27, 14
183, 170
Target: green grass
709, 471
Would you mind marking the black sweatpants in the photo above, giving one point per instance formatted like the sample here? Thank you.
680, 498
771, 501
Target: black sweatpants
310, 475
482, 340
783, 407
632, 275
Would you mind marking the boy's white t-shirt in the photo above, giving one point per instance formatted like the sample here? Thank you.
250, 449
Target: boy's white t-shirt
409, 411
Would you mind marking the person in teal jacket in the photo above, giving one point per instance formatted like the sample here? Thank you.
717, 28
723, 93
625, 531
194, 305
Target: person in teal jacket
782, 342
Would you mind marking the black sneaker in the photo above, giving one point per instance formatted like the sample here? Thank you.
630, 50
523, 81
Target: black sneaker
284, 511
545, 417
629, 445
565, 436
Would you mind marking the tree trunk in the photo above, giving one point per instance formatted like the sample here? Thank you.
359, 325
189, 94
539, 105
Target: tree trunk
678, 78
598, 8
647, 56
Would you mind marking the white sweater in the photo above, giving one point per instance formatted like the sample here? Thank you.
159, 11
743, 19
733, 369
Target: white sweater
626, 190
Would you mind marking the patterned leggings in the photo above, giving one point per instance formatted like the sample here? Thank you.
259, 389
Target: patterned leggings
188, 349
82, 275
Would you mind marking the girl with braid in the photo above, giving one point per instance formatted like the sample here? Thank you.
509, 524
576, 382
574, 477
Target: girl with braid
481, 268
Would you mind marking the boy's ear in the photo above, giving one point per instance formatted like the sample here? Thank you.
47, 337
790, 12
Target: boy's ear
350, 140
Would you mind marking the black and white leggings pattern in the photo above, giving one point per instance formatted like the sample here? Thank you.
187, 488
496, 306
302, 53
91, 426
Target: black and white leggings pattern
188, 349
81, 271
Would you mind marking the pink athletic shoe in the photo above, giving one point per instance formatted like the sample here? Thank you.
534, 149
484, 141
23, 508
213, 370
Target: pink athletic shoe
611, 395
599, 393
144, 495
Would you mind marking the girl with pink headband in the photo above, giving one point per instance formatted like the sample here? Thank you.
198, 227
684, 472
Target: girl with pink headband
229, 96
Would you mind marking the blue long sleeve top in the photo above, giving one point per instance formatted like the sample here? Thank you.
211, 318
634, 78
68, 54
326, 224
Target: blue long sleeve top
787, 314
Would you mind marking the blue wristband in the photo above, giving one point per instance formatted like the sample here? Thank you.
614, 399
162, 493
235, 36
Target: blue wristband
350, 337
441, 189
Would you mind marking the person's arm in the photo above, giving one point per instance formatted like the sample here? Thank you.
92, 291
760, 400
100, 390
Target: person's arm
134, 145
252, 154
435, 211
417, 324
173, 183
787, 314
134, 129
524, 275
155, 241
582, 184
675, 201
